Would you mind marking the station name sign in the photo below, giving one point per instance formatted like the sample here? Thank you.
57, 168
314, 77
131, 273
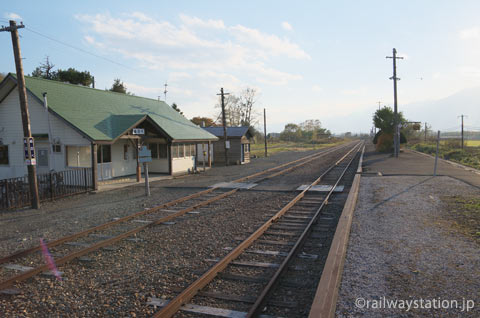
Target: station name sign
138, 131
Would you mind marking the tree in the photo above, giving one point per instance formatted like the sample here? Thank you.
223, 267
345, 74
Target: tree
73, 76
2, 76
239, 110
174, 106
45, 70
291, 132
118, 86
203, 121
384, 119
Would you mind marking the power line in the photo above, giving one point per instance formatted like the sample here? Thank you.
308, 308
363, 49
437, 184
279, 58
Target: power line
80, 49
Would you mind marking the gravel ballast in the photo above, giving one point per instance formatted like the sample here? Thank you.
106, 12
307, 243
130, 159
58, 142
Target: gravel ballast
403, 247
119, 282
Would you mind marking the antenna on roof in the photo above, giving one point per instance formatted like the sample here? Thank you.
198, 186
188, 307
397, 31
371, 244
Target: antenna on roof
165, 91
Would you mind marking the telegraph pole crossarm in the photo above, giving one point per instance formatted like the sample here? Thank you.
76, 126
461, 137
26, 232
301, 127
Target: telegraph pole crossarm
396, 139
27, 133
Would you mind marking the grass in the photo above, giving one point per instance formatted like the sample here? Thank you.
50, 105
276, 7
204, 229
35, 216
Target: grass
258, 149
469, 156
472, 143
464, 214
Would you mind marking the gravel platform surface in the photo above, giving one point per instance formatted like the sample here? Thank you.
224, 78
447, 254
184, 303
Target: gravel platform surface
403, 246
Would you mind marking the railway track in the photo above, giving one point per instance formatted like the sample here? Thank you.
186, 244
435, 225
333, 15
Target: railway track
79, 244
286, 246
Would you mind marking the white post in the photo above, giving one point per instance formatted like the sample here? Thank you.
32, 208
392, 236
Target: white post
147, 185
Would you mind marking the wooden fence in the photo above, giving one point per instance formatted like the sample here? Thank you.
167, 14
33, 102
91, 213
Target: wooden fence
15, 192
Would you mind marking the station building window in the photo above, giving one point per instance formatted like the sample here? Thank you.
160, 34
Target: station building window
4, 155
78, 156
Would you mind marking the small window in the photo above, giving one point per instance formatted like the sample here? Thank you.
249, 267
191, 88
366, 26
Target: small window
104, 154
187, 151
4, 155
175, 151
57, 148
154, 149
193, 149
162, 151
125, 152
78, 156
181, 151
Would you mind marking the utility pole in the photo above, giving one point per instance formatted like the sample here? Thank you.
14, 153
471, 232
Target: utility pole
426, 131
462, 116
396, 134
265, 129
22, 92
224, 121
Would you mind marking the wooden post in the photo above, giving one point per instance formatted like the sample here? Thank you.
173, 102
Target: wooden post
265, 129
22, 92
203, 156
139, 169
209, 152
170, 158
147, 184
94, 167
224, 121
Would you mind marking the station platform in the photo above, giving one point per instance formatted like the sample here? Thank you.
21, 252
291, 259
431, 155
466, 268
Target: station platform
414, 246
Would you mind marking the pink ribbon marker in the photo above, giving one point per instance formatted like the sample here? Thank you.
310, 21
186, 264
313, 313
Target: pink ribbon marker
49, 260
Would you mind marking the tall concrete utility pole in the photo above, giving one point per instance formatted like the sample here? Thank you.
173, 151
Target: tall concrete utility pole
224, 121
22, 92
462, 116
396, 130
265, 129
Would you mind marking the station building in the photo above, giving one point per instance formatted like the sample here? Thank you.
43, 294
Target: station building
238, 139
75, 127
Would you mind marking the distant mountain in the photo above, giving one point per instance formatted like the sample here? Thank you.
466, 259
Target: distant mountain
443, 114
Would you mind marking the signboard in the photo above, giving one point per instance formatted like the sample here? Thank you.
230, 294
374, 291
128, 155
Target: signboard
29, 150
138, 131
144, 155
228, 144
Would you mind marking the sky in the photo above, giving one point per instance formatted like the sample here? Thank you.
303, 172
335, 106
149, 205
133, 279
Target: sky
321, 60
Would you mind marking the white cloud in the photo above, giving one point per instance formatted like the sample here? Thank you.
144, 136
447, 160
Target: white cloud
12, 16
287, 26
199, 23
317, 88
470, 33
194, 46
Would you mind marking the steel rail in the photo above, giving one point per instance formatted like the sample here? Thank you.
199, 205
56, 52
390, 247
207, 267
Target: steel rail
151, 210
186, 295
30, 273
257, 306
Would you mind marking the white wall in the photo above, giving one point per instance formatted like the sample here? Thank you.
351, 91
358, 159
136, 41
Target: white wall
181, 165
11, 133
158, 165
120, 166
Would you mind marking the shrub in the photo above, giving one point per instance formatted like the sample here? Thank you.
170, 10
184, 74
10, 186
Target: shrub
385, 143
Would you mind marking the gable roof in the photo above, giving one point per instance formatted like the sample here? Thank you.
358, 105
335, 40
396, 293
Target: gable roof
104, 115
231, 131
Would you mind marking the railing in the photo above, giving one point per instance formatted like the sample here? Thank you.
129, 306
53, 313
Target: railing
15, 192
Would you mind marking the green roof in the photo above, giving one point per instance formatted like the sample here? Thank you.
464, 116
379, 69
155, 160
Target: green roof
105, 115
